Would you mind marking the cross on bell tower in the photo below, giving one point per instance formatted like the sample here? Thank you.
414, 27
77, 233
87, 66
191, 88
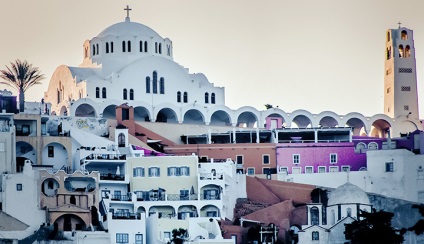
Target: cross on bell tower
128, 9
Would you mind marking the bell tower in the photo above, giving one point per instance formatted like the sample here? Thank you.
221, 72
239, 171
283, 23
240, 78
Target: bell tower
400, 78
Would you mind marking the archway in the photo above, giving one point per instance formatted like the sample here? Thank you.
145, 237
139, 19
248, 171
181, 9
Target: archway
24, 151
63, 111
85, 110
220, 118
380, 128
301, 121
109, 112
358, 126
193, 116
141, 114
247, 119
166, 115
328, 121
69, 222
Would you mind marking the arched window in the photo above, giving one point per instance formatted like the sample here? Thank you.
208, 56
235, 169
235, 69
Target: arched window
388, 36
94, 50
72, 200
349, 212
155, 82
58, 95
360, 148
407, 51
168, 50
372, 146
123, 46
160, 48
131, 94
185, 97
404, 35
332, 217
97, 92
111, 47
141, 46
162, 85
125, 94
315, 235
156, 47
147, 84
314, 216
121, 140
213, 98
145, 46
107, 47
178, 97
97, 48
388, 53
129, 46
206, 97
401, 55
104, 92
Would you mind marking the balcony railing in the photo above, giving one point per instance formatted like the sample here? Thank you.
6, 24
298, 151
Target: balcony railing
179, 197
210, 176
210, 197
126, 215
110, 176
120, 198
103, 156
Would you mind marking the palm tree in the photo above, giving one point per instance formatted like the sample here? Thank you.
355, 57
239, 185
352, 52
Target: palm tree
21, 75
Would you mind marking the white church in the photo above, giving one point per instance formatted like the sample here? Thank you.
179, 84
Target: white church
130, 63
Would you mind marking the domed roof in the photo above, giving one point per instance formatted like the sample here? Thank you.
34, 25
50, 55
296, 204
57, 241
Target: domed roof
348, 193
128, 28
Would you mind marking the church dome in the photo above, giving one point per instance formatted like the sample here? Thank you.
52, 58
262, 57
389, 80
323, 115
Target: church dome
348, 194
128, 28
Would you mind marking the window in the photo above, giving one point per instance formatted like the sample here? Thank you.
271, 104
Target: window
167, 235
405, 88
388, 90
104, 92
372, 146
107, 47
185, 97
97, 92
407, 51
131, 94
124, 94
138, 238
405, 70
154, 172
123, 46
334, 169
265, 159
138, 172
406, 107
160, 48
401, 51
322, 169
111, 47
172, 171
155, 82
296, 170
404, 35
266, 171
184, 171
162, 85
141, 46
94, 50
314, 216
349, 212
388, 36
145, 46
18, 187
121, 140
206, 97
315, 235
346, 168
147, 84
50, 151
389, 167
213, 98
250, 171
333, 158
156, 47
211, 214
168, 50
121, 238
129, 46
239, 159
50, 184
73, 200
284, 170
420, 173
296, 158
97, 48
309, 169
178, 97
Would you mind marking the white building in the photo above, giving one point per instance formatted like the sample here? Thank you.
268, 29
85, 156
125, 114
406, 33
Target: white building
328, 225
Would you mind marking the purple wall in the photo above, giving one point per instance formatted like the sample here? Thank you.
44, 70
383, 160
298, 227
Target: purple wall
318, 154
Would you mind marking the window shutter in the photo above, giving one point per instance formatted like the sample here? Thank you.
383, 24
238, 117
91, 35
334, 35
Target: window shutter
188, 171
178, 171
134, 172
169, 171
158, 171
150, 172
142, 172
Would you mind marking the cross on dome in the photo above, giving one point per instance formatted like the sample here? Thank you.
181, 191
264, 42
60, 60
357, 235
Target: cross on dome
128, 9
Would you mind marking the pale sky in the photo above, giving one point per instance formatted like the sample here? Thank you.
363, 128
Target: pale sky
313, 55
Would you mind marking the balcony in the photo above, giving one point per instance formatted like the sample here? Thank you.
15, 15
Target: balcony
110, 176
126, 215
210, 176
104, 156
210, 197
179, 197
126, 198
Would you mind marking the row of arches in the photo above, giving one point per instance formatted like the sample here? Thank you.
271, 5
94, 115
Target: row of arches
248, 117
127, 47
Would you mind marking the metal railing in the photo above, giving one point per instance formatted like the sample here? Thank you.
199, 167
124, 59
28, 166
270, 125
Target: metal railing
179, 197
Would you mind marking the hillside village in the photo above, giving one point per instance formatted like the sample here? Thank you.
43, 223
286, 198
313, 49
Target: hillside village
130, 147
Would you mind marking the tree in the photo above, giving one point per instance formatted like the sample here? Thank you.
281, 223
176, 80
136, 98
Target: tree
418, 228
374, 228
179, 236
268, 106
21, 76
